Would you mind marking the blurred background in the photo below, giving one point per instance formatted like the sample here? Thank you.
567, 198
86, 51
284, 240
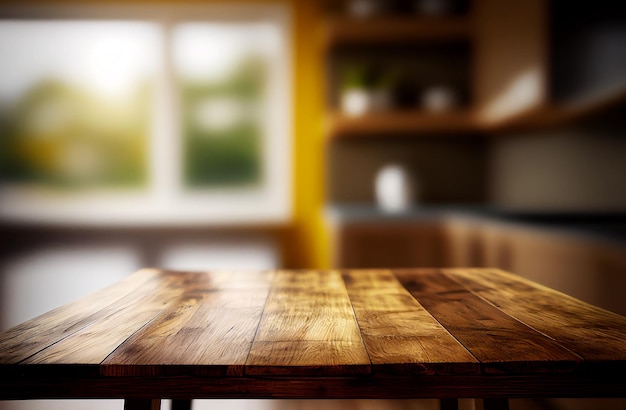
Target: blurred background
311, 134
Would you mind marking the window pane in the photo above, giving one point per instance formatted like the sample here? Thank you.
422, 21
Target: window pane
222, 72
75, 102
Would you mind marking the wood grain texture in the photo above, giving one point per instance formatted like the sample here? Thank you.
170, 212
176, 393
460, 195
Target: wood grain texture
429, 333
400, 335
595, 334
308, 327
28, 338
118, 321
207, 331
501, 343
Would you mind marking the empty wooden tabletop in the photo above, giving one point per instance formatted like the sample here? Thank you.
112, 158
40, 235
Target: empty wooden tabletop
356, 333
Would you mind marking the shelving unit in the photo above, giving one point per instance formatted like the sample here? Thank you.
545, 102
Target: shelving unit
509, 72
405, 41
430, 60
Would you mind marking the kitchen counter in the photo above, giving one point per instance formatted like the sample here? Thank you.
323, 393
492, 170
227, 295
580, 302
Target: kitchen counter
609, 226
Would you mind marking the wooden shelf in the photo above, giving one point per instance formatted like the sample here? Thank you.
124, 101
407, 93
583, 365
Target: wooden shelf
601, 101
412, 122
342, 31
402, 122
555, 115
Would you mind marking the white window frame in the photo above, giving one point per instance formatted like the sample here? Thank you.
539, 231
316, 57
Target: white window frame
166, 202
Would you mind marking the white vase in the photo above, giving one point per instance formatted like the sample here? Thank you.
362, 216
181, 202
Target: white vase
355, 101
358, 101
394, 188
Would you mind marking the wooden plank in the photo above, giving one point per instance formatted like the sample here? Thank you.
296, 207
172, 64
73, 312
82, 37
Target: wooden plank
93, 343
207, 331
501, 343
308, 328
399, 334
595, 334
28, 338
307, 358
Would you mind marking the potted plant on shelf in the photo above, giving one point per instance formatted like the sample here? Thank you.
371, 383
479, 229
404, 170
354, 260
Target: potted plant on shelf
365, 90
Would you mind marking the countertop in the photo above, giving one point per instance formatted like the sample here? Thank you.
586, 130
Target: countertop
609, 226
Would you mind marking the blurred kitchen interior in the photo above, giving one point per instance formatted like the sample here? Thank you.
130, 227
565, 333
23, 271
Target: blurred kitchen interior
310, 134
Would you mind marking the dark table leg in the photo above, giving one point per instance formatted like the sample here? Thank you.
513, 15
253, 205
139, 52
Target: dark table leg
449, 404
142, 404
181, 404
492, 404
496, 404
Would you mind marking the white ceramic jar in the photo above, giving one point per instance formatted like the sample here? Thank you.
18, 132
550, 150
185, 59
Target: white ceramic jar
394, 188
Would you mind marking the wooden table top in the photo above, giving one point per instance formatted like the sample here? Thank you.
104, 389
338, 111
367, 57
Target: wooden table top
439, 333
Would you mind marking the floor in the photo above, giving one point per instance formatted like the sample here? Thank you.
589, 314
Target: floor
465, 404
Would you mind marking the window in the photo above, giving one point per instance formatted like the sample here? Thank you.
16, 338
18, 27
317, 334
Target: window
137, 115
76, 99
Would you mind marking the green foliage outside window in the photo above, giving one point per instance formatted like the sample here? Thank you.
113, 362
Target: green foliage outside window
222, 128
60, 135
